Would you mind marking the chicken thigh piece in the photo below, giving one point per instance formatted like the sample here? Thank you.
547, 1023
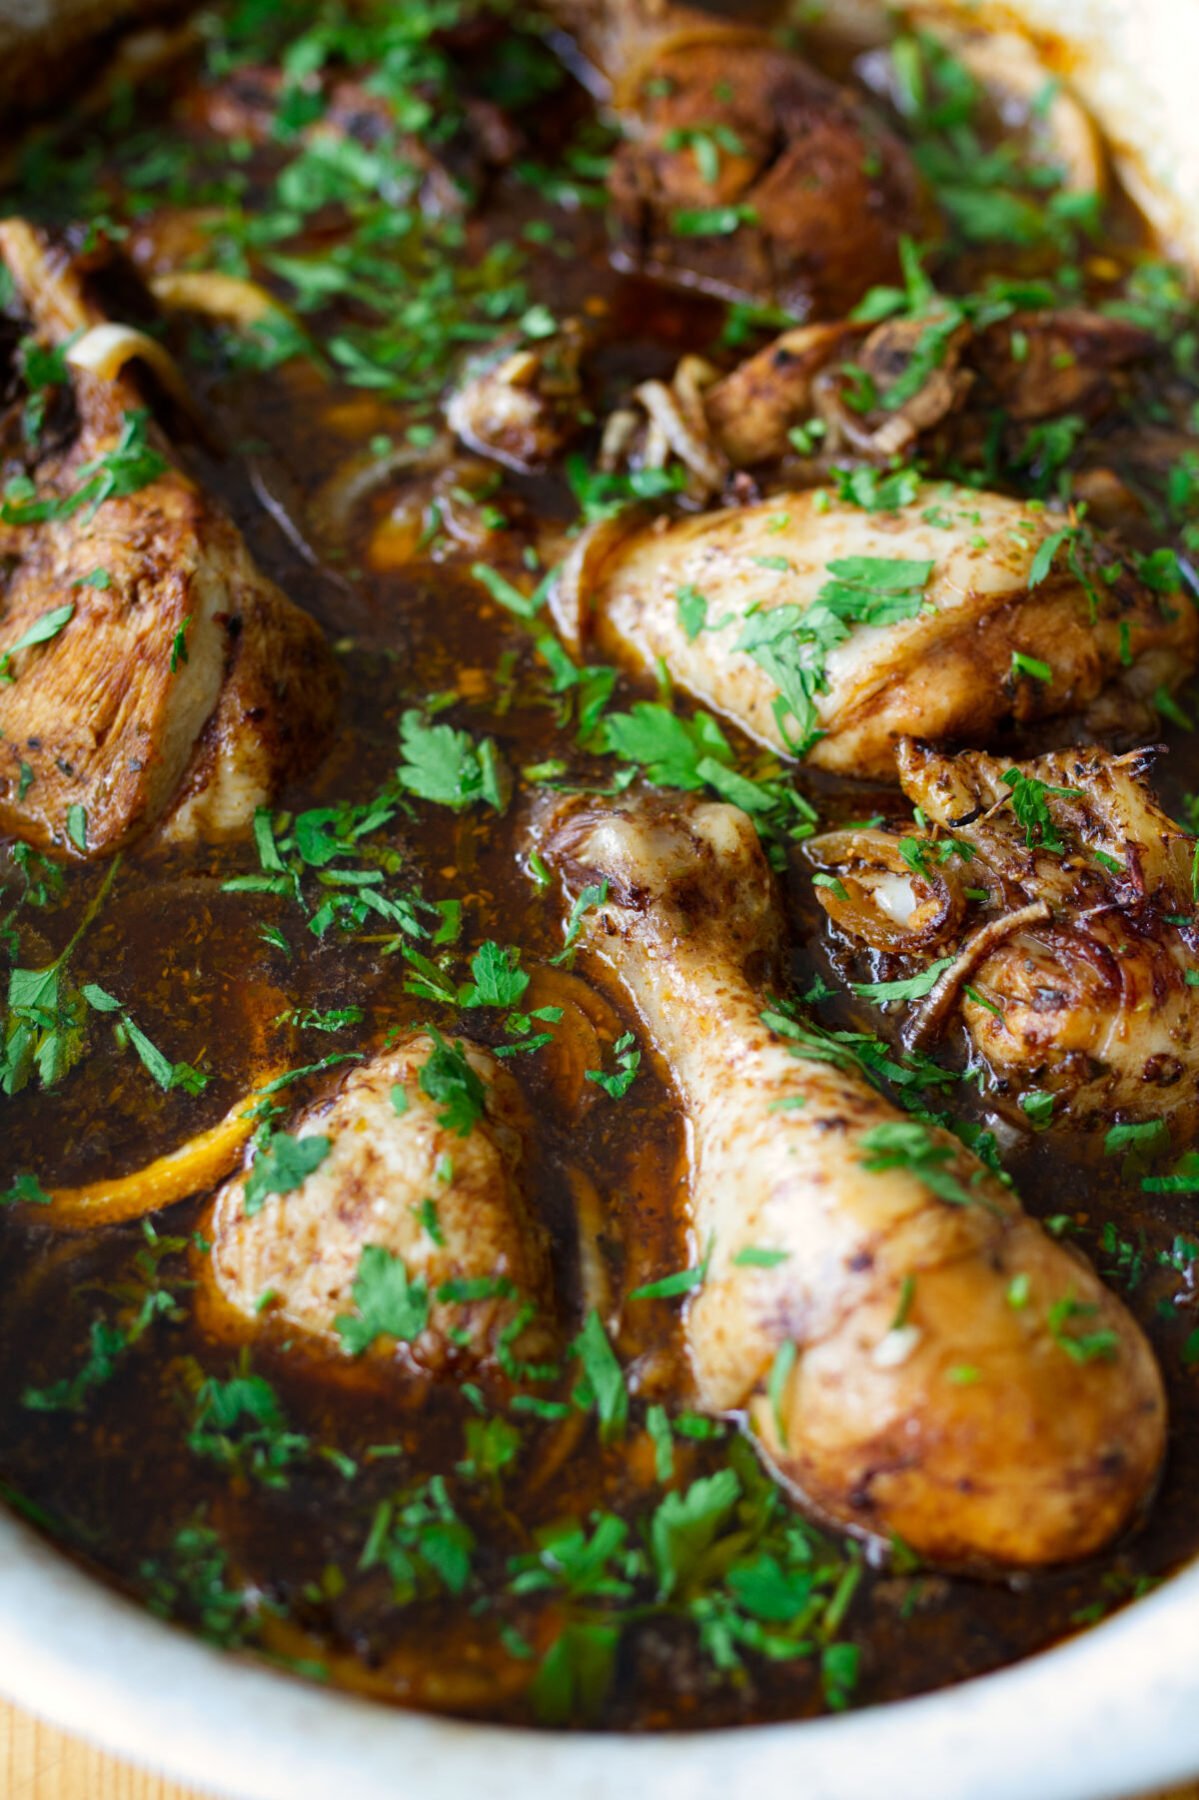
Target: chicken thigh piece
916, 1355
410, 1232
828, 633
1071, 969
154, 677
744, 172
876, 392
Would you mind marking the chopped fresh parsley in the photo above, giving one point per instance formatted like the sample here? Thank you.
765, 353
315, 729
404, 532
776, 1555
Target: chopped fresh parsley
1066, 1320
498, 979
132, 464
603, 1383
451, 1083
628, 1061
683, 1281
876, 491
1030, 804
909, 1145
46, 626
914, 987
587, 901
283, 1165
26, 1190
387, 1301
791, 642
447, 767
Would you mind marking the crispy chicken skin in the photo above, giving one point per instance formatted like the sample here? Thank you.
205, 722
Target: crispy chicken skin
185, 687
811, 193
944, 673
967, 1428
395, 1168
1072, 975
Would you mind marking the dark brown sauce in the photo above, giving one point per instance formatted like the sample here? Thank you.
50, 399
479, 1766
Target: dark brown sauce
115, 1481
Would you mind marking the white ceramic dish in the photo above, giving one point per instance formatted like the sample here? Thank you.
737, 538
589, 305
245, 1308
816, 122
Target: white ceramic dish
1113, 1713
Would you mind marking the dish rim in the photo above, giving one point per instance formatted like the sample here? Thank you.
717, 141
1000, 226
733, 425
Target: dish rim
1106, 1714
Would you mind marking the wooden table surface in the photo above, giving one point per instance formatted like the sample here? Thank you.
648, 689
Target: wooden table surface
39, 1763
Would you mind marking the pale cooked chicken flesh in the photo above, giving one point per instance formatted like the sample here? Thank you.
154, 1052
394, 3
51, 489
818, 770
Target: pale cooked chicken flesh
943, 671
400, 1179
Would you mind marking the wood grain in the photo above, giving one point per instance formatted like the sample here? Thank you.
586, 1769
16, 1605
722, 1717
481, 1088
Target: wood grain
39, 1763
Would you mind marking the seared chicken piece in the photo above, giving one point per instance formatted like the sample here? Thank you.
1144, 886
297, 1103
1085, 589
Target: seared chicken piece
829, 632
425, 1146
1039, 365
178, 687
753, 408
744, 172
905, 1339
522, 403
247, 103
1072, 973
1027, 102
1032, 366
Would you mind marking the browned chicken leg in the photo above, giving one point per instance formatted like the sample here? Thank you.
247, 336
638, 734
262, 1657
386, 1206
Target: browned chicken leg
915, 1354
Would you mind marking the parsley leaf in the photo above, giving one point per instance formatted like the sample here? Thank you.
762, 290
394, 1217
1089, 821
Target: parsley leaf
915, 987
685, 1527
671, 749
1030, 804
447, 767
498, 978
1081, 1346
389, 1303
449, 1081
46, 626
875, 491
132, 464
590, 897
283, 1165
908, 1144
791, 642
628, 1061
240, 1425
26, 1190
603, 1384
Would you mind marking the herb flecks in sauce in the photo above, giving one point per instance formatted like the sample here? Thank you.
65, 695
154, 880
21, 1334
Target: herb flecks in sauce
609, 1556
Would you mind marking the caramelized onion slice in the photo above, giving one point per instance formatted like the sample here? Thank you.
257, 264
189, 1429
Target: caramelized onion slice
229, 298
882, 899
929, 1019
579, 1036
582, 572
198, 1164
105, 349
333, 506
